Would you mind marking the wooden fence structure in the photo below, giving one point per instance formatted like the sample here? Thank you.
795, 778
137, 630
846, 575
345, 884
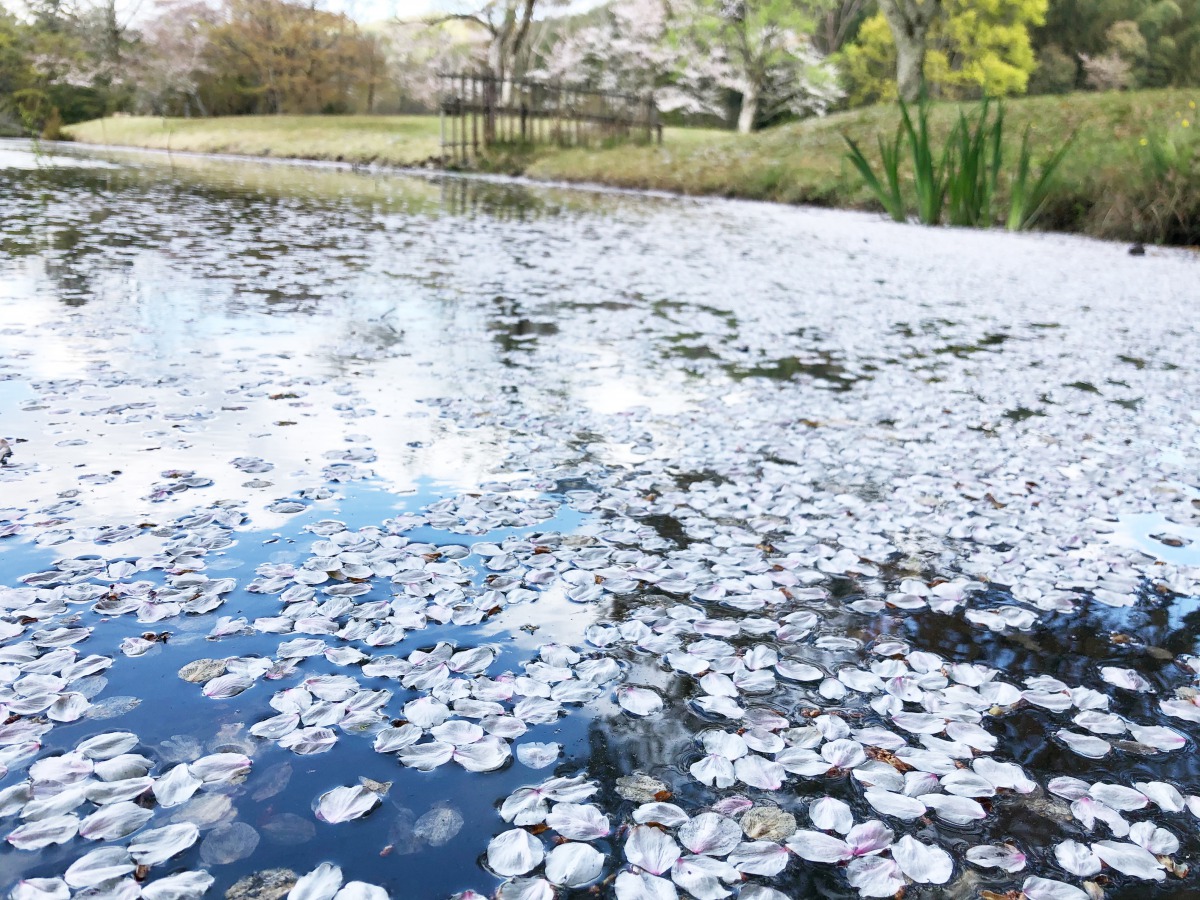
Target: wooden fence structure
479, 111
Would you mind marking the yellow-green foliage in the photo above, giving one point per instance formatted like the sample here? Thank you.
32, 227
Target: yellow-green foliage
976, 47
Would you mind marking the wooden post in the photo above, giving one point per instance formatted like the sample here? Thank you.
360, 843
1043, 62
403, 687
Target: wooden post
442, 101
475, 116
489, 110
524, 114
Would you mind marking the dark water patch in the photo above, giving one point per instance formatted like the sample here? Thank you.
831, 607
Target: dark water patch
1022, 413
832, 373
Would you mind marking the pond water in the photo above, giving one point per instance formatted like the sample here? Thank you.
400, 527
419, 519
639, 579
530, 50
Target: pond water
344, 507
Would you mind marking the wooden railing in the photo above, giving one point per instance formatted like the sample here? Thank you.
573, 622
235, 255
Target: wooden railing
481, 111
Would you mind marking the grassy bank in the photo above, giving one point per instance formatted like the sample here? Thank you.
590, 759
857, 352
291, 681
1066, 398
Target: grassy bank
1133, 173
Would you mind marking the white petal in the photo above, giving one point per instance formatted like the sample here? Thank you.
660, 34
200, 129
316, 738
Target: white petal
638, 700
1125, 678
1129, 859
360, 890
321, 883
759, 858
426, 757
711, 834
517, 889
307, 741
1165, 795
220, 767
345, 803
642, 886
153, 847
44, 832
182, 886
1036, 888
666, 814
721, 743
816, 846
875, 876
389, 740
117, 820
538, 755
1077, 858
714, 771
485, 755
1158, 736
514, 852
650, 849
106, 746
573, 865
1084, 744
692, 873
898, 805
844, 753
1117, 796
578, 822
99, 865
41, 889
955, 810
1157, 840
225, 686
758, 772
921, 862
176, 786
997, 856
869, 837
831, 814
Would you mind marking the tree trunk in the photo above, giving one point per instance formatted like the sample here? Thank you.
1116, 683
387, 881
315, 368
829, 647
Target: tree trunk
910, 68
909, 21
749, 111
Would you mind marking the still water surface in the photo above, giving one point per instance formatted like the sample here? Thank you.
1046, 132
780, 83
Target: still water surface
731, 413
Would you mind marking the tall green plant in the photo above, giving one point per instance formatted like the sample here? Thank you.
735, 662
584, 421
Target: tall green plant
974, 170
887, 190
1027, 194
961, 183
929, 176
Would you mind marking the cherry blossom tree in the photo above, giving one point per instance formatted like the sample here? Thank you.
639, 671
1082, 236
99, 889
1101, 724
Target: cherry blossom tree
760, 49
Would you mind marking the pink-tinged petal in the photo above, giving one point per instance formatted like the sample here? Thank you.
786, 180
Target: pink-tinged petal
869, 837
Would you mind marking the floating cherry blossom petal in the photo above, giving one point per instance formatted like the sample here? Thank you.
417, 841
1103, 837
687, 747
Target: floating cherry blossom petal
514, 852
345, 803
651, 850
574, 865
997, 856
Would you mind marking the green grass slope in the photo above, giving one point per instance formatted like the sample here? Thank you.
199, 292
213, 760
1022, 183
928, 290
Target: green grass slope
1133, 172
